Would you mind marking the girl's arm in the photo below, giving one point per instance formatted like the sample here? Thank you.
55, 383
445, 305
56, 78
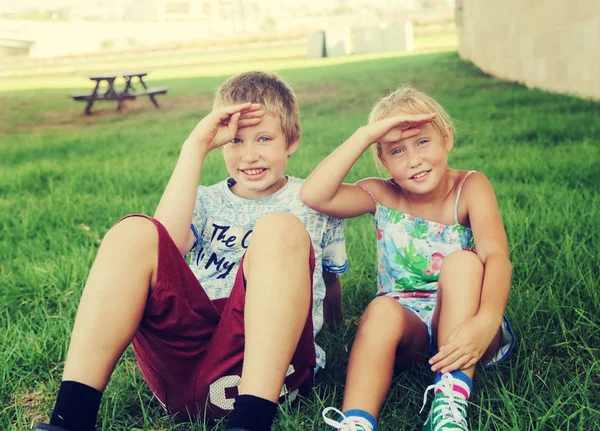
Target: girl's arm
323, 190
492, 247
468, 342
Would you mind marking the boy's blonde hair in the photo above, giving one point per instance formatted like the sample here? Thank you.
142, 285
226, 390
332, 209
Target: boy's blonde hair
412, 101
276, 96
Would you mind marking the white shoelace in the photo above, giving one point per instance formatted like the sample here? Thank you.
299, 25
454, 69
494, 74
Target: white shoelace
348, 424
451, 411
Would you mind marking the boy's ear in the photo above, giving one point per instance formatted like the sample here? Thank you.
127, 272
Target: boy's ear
291, 149
449, 138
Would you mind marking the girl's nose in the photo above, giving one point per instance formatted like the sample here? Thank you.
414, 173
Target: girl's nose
414, 160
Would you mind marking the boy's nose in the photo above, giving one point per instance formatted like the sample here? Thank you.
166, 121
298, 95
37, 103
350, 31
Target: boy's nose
250, 153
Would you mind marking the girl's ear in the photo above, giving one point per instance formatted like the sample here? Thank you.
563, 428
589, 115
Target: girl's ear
381, 158
449, 138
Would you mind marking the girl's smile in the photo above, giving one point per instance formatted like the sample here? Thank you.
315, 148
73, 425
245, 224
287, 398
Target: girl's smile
421, 176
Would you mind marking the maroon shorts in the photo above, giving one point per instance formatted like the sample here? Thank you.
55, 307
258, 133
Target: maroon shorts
191, 349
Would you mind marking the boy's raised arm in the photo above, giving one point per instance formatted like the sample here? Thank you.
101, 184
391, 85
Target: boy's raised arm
176, 206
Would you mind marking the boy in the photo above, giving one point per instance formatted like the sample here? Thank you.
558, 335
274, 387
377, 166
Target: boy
240, 319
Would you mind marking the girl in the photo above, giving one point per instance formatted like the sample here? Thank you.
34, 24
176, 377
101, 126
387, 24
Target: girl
443, 266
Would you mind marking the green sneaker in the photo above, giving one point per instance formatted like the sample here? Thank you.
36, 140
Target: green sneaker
448, 411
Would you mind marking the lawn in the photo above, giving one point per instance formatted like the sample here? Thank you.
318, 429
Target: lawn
65, 179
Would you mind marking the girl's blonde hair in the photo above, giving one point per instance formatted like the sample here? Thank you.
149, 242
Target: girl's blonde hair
412, 101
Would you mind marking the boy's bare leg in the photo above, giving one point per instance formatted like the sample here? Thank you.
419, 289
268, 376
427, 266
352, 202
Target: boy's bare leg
388, 335
276, 267
113, 301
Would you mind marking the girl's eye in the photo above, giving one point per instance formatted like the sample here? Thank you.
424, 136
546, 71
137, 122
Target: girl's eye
398, 151
422, 142
236, 140
264, 139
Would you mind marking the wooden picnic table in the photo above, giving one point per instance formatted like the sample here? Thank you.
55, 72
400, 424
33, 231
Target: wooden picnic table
112, 93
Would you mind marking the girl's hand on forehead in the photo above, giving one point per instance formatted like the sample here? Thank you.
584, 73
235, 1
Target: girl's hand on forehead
397, 127
221, 125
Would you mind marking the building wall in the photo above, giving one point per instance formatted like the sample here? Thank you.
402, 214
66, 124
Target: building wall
548, 44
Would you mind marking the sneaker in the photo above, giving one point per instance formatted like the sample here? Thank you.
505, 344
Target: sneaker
353, 423
448, 411
46, 427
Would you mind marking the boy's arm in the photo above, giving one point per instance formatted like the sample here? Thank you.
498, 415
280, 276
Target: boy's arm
323, 189
176, 206
332, 303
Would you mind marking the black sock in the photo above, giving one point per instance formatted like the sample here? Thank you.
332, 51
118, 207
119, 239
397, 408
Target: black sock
76, 407
252, 413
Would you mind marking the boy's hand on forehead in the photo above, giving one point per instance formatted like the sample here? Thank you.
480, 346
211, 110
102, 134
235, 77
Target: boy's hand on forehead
397, 127
221, 125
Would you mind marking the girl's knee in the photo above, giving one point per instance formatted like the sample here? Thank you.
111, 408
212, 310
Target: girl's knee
462, 260
384, 312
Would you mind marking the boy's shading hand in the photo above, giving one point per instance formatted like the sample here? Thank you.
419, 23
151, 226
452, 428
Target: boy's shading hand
465, 346
221, 125
395, 128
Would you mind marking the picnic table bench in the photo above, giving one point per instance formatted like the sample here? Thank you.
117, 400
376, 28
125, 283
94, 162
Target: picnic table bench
111, 93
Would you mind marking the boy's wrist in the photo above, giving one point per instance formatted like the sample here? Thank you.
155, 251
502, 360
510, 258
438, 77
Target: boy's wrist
201, 148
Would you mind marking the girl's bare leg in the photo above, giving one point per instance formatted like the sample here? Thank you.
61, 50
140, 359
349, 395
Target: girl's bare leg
459, 294
388, 334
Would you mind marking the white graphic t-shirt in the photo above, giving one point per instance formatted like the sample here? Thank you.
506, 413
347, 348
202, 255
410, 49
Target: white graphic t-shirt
223, 224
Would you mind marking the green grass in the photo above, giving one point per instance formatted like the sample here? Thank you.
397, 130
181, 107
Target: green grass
65, 179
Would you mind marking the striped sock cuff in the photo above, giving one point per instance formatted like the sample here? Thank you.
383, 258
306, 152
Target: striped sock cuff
462, 383
362, 414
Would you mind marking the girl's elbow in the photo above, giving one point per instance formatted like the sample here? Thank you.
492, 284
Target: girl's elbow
304, 196
308, 199
498, 256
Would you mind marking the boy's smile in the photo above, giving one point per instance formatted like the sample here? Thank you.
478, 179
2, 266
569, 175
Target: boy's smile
257, 157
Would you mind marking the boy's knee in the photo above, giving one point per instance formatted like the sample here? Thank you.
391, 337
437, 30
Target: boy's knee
280, 230
134, 232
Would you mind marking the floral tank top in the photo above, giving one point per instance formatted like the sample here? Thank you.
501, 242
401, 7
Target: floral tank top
411, 249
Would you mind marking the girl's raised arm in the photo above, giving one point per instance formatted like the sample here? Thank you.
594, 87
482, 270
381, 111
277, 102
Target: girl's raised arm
323, 189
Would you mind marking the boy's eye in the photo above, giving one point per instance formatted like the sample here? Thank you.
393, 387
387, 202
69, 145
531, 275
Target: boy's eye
236, 140
264, 139
422, 142
398, 151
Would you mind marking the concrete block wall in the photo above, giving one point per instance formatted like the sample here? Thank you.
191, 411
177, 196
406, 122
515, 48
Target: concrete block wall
548, 44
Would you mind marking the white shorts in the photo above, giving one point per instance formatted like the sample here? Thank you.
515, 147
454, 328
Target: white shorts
424, 307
